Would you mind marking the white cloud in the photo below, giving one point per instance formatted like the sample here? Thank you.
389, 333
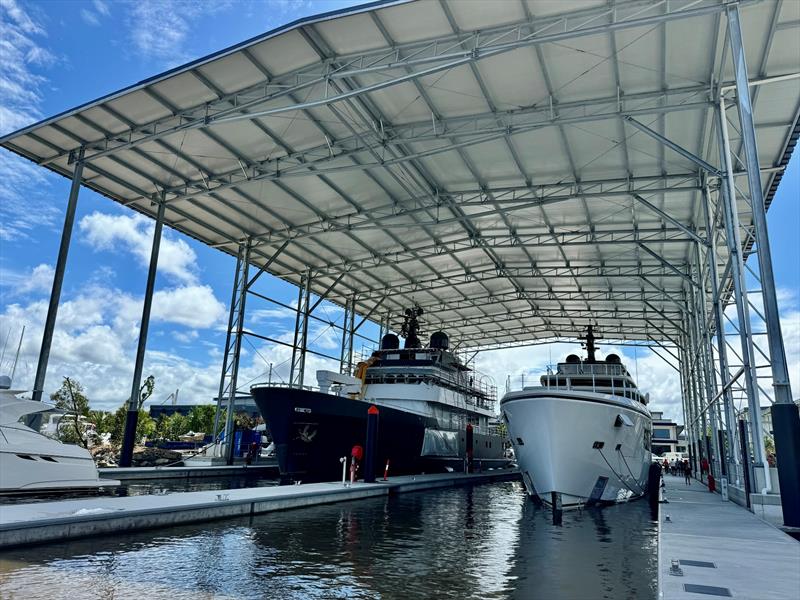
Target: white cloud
20, 18
101, 7
92, 17
37, 280
95, 340
185, 337
134, 233
261, 315
19, 50
89, 17
194, 306
159, 29
20, 97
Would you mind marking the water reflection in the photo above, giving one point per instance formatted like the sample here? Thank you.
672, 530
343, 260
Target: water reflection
487, 541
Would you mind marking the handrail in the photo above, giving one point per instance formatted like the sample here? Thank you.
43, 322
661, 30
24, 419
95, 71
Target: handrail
478, 393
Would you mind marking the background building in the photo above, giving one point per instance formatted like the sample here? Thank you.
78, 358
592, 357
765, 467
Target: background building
666, 435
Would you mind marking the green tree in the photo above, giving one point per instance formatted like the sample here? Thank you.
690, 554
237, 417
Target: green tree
103, 421
146, 390
70, 397
145, 427
201, 418
171, 427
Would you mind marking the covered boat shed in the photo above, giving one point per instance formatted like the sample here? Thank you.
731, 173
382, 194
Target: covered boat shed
518, 169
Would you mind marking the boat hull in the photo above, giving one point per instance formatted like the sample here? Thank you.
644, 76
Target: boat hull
25, 469
587, 448
312, 431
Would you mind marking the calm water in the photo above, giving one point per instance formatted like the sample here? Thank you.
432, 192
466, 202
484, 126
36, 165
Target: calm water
486, 541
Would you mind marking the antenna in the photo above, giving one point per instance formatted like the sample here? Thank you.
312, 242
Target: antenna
590, 338
3, 355
410, 329
16, 358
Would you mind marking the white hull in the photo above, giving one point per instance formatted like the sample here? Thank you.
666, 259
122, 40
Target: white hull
32, 462
558, 430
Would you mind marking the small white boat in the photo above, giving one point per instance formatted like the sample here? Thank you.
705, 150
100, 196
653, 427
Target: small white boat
32, 462
583, 436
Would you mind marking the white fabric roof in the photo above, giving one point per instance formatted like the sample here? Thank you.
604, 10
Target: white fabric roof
473, 157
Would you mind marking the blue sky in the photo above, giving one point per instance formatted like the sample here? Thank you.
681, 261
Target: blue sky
56, 55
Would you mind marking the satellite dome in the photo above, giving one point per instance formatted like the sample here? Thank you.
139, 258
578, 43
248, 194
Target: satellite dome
390, 342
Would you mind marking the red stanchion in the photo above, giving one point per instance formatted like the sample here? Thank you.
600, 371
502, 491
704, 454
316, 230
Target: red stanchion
386, 470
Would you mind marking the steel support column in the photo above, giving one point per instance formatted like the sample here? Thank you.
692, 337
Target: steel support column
788, 450
695, 375
132, 416
238, 281
297, 372
236, 353
688, 414
348, 331
722, 345
731, 217
58, 278
705, 357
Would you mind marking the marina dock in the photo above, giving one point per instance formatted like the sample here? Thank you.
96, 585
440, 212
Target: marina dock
710, 548
25, 524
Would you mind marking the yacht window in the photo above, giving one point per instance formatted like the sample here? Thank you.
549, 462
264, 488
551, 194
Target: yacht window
520, 442
26, 456
598, 445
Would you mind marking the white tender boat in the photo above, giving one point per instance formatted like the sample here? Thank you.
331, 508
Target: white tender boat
583, 436
32, 462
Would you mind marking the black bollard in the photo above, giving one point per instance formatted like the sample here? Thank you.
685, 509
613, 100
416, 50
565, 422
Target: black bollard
654, 487
557, 507
372, 444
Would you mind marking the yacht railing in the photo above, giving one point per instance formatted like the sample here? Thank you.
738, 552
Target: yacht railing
477, 391
592, 369
555, 382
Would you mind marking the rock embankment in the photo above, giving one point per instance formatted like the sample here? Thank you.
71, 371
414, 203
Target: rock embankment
108, 456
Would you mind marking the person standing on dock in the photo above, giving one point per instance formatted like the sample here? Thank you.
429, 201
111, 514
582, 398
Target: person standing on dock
687, 472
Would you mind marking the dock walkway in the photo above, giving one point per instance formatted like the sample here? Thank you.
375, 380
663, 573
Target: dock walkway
739, 555
23, 524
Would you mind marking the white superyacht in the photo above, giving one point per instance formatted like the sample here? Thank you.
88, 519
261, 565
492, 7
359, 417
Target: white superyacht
583, 436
